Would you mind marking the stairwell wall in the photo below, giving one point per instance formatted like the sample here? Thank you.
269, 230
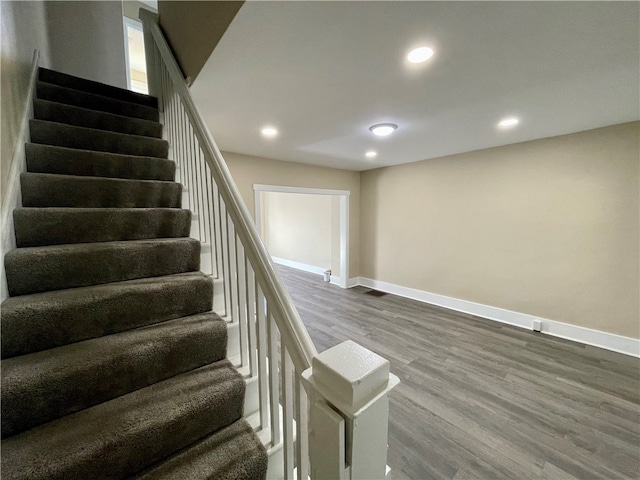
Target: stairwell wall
549, 227
24, 28
87, 40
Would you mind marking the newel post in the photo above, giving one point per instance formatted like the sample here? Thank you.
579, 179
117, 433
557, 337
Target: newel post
348, 389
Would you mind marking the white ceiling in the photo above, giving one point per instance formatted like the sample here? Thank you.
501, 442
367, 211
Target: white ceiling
323, 72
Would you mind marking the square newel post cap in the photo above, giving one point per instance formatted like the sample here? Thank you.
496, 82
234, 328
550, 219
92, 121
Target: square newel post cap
350, 376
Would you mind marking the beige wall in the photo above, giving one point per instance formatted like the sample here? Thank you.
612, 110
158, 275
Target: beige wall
298, 227
87, 40
548, 227
194, 28
24, 28
248, 170
81, 38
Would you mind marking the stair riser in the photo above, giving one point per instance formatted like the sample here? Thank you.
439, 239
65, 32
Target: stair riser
82, 117
54, 226
113, 362
41, 190
135, 430
78, 376
71, 161
69, 81
53, 319
59, 134
55, 93
33, 270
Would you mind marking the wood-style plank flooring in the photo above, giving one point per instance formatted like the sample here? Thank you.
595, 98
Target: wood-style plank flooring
483, 400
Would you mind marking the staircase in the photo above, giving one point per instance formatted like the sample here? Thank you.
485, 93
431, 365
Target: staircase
113, 364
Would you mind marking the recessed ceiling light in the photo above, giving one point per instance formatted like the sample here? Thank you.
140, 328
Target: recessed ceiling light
419, 55
508, 122
371, 154
269, 132
383, 129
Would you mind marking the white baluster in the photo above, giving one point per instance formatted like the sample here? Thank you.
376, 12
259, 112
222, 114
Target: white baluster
251, 317
274, 387
302, 431
242, 302
262, 356
226, 275
286, 381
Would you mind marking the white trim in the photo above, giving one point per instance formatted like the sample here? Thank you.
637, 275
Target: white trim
298, 265
609, 341
341, 280
126, 22
309, 191
344, 239
335, 280
12, 196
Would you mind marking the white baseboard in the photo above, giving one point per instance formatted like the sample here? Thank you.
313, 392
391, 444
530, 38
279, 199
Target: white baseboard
588, 336
335, 280
298, 265
12, 197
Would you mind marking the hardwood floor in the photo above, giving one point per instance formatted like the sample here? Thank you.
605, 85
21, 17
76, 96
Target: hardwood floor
483, 400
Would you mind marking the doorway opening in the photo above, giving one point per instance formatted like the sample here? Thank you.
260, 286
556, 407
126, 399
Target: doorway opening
327, 207
134, 56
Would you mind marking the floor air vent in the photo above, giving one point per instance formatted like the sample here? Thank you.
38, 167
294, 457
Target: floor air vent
375, 293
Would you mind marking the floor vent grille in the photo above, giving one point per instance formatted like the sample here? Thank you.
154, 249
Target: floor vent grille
375, 293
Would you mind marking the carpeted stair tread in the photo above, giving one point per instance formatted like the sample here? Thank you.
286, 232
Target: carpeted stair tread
79, 98
84, 117
232, 453
71, 136
123, 436
31, 323
59, 225
112, 361
72, 161
50, 384
52, 190
41, 269
77, 83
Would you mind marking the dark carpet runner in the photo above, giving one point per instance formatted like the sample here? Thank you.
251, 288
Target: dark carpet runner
113, 364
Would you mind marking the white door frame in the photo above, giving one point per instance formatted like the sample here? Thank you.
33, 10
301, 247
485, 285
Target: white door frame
344, 218
129, 22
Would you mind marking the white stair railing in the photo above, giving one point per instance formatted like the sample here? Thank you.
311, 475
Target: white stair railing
341, 431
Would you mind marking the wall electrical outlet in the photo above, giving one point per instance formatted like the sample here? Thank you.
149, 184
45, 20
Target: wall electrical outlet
537, 326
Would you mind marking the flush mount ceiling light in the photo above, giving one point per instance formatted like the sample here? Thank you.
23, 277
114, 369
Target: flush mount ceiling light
269, 132
419, 55
383, 129
508, 122
371, 154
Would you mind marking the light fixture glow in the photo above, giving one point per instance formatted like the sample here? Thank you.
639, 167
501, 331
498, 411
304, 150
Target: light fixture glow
508, 122
383, 129
269, 132
371, 154
419, 55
